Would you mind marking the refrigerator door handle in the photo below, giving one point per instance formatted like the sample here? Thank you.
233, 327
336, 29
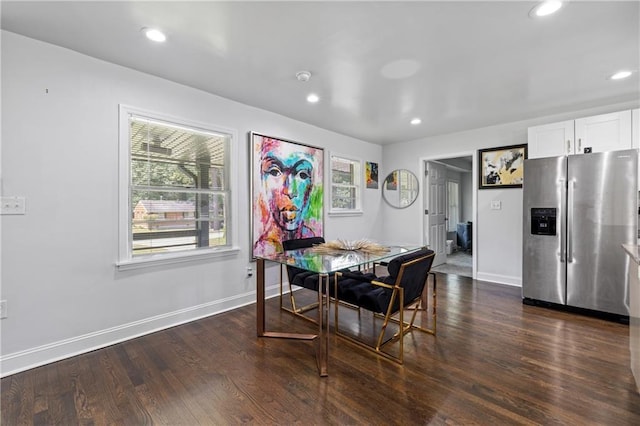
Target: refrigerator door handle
563, 193
570, 187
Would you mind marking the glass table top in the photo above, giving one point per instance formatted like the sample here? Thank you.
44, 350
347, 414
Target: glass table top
323, 263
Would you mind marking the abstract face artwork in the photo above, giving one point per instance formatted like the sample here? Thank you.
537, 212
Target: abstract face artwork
287, 192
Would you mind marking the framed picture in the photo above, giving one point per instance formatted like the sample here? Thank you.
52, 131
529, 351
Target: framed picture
286, 192
502, 167
371, 174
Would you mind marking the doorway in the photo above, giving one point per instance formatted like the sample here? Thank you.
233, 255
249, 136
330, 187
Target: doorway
449, 212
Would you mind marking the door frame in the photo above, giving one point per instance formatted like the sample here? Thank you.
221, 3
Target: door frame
474, 196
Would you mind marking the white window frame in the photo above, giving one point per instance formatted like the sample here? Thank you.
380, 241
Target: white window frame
358, 178
126, 260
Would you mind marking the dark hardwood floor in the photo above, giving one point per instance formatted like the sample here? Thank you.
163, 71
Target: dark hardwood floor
494, 361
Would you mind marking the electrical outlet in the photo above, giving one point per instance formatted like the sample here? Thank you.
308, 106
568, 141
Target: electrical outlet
3, 309
12, 205
249, 271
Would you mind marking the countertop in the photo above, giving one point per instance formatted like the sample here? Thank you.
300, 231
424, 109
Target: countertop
634, 309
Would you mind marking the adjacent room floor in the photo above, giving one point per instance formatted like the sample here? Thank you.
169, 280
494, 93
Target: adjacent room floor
458, 263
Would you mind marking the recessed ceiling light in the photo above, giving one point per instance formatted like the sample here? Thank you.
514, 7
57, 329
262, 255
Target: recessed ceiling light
313, 98
545, 8
154, 34
416, 121
620, 75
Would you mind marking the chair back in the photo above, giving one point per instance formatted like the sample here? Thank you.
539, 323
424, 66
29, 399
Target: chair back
297, 244
301, 243
410, 271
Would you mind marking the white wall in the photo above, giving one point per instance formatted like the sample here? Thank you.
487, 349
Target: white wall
60, 151
497, 234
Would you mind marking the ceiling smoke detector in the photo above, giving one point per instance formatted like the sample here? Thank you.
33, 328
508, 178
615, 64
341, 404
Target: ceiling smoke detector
303, 75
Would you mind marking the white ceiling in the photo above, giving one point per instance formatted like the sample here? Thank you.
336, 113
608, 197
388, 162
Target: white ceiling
375, 65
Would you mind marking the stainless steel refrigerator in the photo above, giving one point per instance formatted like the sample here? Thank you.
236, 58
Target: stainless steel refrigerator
578, 211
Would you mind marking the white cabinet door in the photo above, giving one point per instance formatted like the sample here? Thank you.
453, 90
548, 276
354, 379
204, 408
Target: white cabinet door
551, 140
635, 131
606, 132
635, 135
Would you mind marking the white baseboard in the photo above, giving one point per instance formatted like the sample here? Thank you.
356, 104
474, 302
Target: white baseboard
24, 360
500, 279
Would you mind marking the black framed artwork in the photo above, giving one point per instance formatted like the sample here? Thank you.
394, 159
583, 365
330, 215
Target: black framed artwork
502, 167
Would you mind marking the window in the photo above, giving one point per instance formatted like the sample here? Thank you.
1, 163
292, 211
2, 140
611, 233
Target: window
346, 184
453, 207
176, 187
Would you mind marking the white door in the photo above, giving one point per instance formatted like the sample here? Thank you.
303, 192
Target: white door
435, 210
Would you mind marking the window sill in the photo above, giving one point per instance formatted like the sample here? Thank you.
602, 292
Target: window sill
178, 258
346, 213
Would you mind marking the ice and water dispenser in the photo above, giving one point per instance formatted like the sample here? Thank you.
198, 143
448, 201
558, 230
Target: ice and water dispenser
543, 221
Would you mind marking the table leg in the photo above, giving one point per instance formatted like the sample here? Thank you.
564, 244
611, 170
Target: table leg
261, 320
260, 296
322, 354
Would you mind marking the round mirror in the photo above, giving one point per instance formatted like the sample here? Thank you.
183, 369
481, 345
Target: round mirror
400, 188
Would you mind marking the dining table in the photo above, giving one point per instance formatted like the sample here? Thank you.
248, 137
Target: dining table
325, 264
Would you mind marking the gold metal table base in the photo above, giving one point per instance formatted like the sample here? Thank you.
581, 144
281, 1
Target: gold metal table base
322, 338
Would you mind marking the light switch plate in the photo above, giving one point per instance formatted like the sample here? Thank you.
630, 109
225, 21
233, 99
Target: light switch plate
12, 205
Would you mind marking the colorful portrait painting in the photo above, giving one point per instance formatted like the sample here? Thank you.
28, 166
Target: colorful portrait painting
287, 192
372, 175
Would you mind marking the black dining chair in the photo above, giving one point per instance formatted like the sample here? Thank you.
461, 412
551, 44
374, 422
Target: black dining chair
301, 277
307, 279
388, 297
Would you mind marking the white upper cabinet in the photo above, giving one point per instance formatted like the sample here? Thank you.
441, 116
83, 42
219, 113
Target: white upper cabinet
600, 133
606, 132
550, 140
635, 131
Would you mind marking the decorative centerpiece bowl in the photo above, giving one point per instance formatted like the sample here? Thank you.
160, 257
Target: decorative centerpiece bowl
363, 245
